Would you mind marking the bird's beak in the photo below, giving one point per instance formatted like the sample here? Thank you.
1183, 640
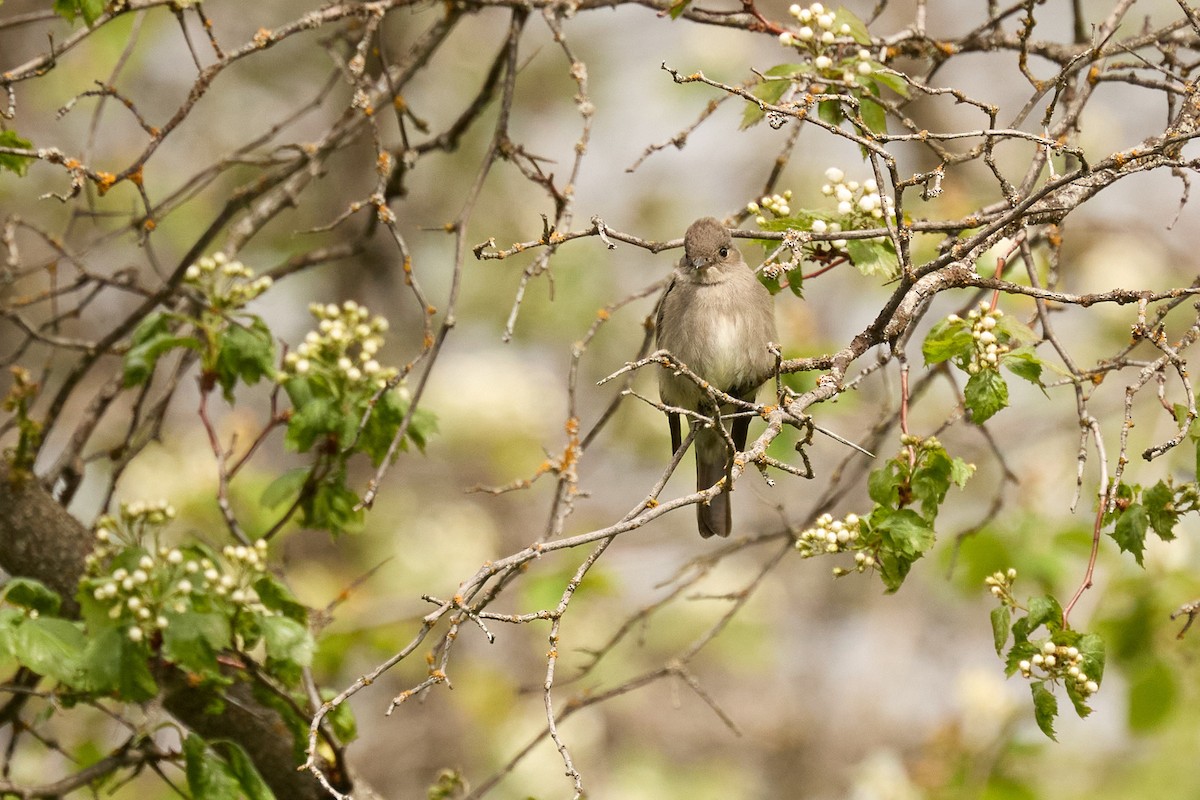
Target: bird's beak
699, 263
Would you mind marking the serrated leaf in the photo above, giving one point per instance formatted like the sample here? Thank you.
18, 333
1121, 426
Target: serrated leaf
1130, 531
1045, 708
193, 639
245, 354
11, 162
317, 419
1159, 501
1091, 656
287, 640
1010, 329
1043, 610
112, 664
152, 339
1020, 651
985, 394
874, 257
33, 595
1025, 364
275, 596
51, 646
946, 340
1001, 624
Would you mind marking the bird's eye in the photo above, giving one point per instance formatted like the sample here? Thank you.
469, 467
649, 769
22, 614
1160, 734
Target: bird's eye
723, 252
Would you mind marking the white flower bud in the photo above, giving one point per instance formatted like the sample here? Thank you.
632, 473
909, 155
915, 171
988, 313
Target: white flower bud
823, 62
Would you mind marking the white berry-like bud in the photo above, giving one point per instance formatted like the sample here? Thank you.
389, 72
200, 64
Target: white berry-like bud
1050, 661
1049, 647
844, 207
805, 34
1024, 666
1037, 659
786, 39
823, 62
1092, 687
828, 38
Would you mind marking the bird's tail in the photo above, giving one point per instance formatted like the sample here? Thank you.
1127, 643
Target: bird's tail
715, 518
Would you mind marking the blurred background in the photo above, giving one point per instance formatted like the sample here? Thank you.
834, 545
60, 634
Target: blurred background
836, 690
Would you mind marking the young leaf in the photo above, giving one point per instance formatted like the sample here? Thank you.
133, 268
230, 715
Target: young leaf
946, 340
1045, 708
51, 646
242, 769
15, 163
287, 640
245, 354
1130, 530
874, 257
112, 664
33, 595
858, 29
1159, 500
207, 776
193, 640
769, 92
1001, 623
151, 340
985, 394
1024, 363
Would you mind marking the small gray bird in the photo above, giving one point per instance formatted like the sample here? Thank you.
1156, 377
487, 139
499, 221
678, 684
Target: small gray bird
718, 320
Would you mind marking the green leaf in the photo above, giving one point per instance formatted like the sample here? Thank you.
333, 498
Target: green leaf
985, 394
770, 92
112, 664
831, 112
858, 28
1043, 610
246, 354
286, 488
11, 162
151, 340
905, 532
1159, 501
332, 507
1045, 708
1001, 623
345, 727
1024, 363
33, 595
946, 340
287, 640
193, 639
1020, 651
208, 777
89, 10
241, 768
890, 80
275, 596
873, 114
1091, 656
677, 8
874, 257
51, 646
1010, 329
313, 421
883, 484
1130, 530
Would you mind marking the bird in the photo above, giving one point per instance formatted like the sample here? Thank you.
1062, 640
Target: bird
717, 319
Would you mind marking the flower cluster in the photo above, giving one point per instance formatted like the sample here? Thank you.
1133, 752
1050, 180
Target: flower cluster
1000, 585
1057, 661
777, 204
142, 582
988, 347
343, 347
227, 285
854, 199
830, 536
822, 36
